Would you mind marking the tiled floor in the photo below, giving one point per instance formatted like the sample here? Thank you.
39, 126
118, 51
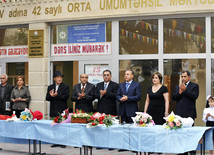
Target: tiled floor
22, 149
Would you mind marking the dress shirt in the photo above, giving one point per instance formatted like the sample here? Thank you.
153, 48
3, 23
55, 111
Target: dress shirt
23, 93
57, 87
106, 85
82, 86
206, 111
186, 84
130, 82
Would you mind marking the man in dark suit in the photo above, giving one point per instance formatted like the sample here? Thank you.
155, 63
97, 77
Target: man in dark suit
186, 94
83, 94
5, 92
128, 94
57, 94
105, 93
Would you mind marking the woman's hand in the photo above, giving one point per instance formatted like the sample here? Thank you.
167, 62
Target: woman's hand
166, 114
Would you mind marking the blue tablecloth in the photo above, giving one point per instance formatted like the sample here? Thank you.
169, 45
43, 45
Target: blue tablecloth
144, 139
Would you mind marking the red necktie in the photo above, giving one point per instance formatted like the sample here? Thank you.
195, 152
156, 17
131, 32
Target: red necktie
83, 88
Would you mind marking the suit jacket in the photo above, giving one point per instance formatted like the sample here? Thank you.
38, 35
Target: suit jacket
107, 104
59, 103
7, 93
130, 106
84, 104
185, 106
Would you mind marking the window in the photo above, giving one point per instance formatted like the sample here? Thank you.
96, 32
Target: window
14, 36
184, 35
138, 37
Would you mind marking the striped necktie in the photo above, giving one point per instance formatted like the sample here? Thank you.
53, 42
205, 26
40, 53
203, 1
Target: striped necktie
127, 86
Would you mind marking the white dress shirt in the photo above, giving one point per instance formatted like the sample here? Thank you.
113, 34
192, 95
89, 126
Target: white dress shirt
57, 87
206, 111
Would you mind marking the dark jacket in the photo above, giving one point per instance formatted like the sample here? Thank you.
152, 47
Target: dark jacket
59, 103
84, 104
185, 106
130, 106
7, 93
107, 104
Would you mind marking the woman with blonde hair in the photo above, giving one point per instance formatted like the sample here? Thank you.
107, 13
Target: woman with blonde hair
20, 96
157, 100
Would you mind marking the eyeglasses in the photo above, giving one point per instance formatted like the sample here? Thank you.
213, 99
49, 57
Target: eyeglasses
2, 78
84, 77
106, 75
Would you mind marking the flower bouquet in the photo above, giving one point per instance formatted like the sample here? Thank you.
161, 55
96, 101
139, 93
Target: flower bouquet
143, 119
80, 117
26, 115
98, 119
173, 121
62, 117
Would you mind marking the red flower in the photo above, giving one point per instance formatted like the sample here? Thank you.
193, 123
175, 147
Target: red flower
56, 119
92, 118
93, 124
67, 111
101, 118
74, 113
64, 116
141, 122
83, 112
101, 122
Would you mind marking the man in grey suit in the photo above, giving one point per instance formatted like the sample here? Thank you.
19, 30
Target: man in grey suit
5, 91
83, 94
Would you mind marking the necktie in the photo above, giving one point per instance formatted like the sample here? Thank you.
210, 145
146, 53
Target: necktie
83, 88
105, 86
127, 87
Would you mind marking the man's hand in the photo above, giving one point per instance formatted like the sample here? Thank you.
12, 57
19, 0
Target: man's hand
81, 96
182, 88
124, 98
102, 92
52, 93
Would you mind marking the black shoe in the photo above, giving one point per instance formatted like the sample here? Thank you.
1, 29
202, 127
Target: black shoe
55, 145
134, 151
122, 150
99, 148
0, 148
63, 146
110, 149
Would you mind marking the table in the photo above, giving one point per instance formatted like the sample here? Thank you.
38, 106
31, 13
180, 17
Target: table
130, 137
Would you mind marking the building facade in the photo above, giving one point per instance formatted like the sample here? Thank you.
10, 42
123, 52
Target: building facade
89, 36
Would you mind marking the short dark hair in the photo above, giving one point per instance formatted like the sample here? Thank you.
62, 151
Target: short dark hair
107, 71
159, 76
188, 73
130, 71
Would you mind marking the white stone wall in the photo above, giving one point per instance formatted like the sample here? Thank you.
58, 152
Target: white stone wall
39, 73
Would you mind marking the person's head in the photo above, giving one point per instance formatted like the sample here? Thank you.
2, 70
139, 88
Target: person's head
211, 102
107, 75
4, 79
209, 99
83, 78
58, 77
20, 80
129, 75
185, 76
156, 78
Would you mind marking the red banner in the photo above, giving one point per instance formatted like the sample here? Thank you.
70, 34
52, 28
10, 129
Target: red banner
81, 49
13, 51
